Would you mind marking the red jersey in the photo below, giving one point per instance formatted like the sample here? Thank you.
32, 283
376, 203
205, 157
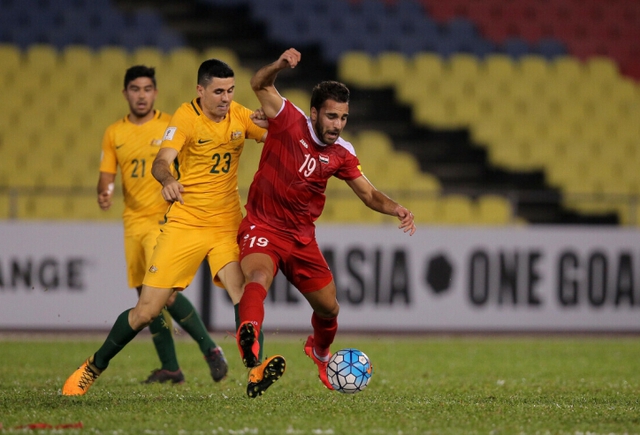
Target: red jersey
287, 192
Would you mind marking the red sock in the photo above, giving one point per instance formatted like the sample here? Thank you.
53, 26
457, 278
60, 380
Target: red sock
251, 307
324, 331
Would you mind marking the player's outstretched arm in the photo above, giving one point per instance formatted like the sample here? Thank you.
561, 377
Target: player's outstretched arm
171, 189
378, 201
263, 81
105, 189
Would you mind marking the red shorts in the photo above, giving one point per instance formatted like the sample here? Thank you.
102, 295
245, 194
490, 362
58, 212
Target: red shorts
303, 265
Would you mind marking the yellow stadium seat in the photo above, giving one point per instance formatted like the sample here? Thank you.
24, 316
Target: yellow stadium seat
463, 66
10, 65
349, 210
356, 67
494, 210
456, 209
226, 55
85, 207
602, 68
248, 164
567, 69
42, 57
299, 97
148, 56
426, 65
5, 206
112, 58
391, 68
492, 90
425, 209
373, 146
77, 57
498, 66
183, 59
468, 111
424, 182
533, 67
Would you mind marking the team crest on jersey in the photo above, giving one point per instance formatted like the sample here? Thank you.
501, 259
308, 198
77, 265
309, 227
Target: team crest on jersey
235, 135
156, 142
323, 159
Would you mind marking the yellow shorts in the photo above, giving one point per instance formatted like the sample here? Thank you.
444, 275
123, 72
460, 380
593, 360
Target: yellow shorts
180, 251
139, 241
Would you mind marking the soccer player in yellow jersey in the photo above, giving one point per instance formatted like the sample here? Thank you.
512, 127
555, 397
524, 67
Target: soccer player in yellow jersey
206, 138
132, 143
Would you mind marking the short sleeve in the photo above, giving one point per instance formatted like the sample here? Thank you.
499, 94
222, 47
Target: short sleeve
179, 130
108, 159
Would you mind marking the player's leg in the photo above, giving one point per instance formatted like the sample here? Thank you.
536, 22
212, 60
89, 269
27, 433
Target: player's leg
161, 327
139, 242
125, 328
324, 321
319, 289
258, 269
183, 312
175, 261
258, 264
190, 247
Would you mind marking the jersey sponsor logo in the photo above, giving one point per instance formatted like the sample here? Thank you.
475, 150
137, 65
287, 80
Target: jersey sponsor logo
323, 159
235, 135
169, 132
119, 146
201, 141
304, 144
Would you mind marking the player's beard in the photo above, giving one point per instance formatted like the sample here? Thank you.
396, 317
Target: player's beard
322, 134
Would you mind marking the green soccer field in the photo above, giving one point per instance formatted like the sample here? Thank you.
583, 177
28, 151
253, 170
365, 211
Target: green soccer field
420, 385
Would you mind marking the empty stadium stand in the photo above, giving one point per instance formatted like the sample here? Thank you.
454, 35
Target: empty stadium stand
484, 112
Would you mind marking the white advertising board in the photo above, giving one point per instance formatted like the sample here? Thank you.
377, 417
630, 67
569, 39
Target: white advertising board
72, 276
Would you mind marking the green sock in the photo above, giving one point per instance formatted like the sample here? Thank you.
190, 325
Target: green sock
186, 315
236, 311
121, 333
163, 341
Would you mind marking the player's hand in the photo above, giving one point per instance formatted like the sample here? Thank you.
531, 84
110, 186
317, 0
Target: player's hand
260, 119
289, 59
104, 197
172, 190
406, 220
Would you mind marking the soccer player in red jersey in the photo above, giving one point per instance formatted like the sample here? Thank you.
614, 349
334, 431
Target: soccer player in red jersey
285, 198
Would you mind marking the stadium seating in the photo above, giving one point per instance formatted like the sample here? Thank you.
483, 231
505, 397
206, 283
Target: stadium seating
498, 69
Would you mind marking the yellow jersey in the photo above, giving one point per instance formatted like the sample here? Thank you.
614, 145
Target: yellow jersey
207, 164
134, 147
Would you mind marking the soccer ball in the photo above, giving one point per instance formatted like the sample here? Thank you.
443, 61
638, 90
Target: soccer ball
349, 370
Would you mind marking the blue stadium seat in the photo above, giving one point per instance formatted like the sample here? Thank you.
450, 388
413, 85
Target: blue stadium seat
516, 47
551, 48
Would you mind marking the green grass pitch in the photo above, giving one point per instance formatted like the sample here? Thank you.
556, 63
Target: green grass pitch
420, 385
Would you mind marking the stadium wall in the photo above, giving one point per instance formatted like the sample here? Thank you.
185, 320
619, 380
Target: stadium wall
72, 276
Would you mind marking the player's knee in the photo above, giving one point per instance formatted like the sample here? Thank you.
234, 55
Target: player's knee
140, 318
261, 277
329, 311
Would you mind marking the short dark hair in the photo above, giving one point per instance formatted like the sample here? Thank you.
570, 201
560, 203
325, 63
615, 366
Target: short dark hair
213, 68
138, 71
329, 90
